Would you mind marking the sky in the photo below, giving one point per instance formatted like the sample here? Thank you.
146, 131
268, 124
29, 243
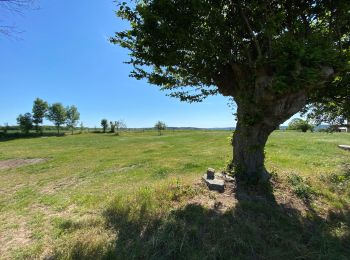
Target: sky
61, 53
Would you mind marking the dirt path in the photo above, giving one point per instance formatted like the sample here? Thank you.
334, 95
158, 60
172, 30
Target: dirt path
7, 164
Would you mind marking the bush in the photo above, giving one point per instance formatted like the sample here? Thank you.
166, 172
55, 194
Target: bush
300, 124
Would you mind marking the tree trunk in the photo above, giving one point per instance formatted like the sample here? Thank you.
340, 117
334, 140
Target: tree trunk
248, 152
255, 124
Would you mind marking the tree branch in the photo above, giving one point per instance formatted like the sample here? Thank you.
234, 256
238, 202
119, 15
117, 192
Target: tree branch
13, 7
256, 42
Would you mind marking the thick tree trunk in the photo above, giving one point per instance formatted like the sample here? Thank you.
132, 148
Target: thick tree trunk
248, 152
256, 121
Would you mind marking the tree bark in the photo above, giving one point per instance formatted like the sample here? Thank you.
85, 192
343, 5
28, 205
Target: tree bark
248, 151
256, 120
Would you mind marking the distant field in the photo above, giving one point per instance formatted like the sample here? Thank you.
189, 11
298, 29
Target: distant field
60, 207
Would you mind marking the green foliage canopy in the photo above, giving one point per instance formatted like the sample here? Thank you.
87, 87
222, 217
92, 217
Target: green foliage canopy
25, 122
57, 114
333, 107
203, 47
104, 124
39, 110
73, 117
160, 126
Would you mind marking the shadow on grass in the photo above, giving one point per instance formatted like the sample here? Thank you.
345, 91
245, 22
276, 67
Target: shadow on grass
255, 228
250, 231
12, 136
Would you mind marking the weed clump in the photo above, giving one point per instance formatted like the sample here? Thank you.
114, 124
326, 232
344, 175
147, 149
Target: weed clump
338, 182
300, 187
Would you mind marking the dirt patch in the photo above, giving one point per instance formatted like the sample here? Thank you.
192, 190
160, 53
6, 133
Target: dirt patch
219, 201
13, 163
287, 199
222, 201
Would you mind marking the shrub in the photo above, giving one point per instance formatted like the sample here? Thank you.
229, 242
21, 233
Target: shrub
300, 124
300, 187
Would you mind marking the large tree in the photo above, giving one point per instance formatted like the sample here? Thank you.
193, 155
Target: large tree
57, 114
39, 110
25, 122
73, 117
271, 57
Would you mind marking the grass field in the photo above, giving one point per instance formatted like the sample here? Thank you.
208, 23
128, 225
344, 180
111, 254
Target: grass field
101, 196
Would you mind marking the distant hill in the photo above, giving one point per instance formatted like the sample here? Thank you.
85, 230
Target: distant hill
317, 128
201, 128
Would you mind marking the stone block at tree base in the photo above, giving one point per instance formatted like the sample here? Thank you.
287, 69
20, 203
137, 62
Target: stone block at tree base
214, 184
345, 147
210, 173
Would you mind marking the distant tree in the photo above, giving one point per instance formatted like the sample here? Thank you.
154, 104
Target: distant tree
271, 57
39, 110
82, 128
120, 124
300, 124
6, 128
160, 126
73, 117
25, 122
57, 114
112, 126
104, 124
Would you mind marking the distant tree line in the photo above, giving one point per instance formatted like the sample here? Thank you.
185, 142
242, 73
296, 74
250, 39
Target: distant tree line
115, 126
56, 113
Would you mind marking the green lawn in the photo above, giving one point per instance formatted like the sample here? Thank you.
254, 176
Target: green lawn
106, 196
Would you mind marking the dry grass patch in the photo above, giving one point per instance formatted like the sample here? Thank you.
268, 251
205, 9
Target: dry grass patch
14, 163
12, 238
59, 185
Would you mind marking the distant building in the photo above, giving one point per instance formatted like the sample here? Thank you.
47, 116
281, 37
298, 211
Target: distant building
345, 127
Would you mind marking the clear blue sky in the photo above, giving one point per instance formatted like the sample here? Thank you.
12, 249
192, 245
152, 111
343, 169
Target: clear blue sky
64, 56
